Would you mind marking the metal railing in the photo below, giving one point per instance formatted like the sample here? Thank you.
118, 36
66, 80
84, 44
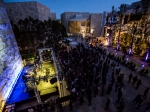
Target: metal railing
36, 93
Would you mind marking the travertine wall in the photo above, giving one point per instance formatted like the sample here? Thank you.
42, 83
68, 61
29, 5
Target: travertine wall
63, 20
53, 16
104, 15
43, 12
96, 23
22, 10
10, 59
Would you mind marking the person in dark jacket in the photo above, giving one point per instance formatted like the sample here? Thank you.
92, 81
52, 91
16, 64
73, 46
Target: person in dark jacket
130, 77
146, 92
70, 105
107, 103
138, 83
135, 78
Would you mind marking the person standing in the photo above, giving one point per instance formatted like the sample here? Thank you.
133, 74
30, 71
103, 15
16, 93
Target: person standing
102, 89
137, 99
60, 107
138, 84
52, 105
70, 105
130, 77
140, 103
96, 91
135, 78
81, 99
89, 95
109, 89
119, 95
122, 104
107, 103
146, 92
89, 99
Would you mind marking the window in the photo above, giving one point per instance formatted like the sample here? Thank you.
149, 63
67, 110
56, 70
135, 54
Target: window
83, 23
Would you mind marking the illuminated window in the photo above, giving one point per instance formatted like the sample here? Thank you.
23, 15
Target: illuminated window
74, 26
83, 23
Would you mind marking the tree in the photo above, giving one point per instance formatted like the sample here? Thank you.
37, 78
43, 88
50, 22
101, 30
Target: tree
146, 32
31, 33
134, 26
110, 20
121, 11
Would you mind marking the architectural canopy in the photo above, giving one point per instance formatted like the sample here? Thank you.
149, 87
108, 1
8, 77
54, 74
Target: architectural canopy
79, 17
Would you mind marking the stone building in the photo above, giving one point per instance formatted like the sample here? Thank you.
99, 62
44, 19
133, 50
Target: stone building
82, 23
22, 10
96, 23
10, 59
53, 15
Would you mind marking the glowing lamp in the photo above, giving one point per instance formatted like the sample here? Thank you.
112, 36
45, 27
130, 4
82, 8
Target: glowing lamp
107, 34
92, 30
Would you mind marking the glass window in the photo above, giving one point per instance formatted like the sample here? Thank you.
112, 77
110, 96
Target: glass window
74, 26
83, 23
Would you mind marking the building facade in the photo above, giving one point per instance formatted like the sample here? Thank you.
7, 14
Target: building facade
22, 10
10, 59
82, 23
53, 15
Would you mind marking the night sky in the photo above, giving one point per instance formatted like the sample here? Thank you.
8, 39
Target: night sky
92, 6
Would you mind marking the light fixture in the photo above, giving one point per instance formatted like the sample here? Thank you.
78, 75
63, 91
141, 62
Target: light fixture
92, 30
107, 34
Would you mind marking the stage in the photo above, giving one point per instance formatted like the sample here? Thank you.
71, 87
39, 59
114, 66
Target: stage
21, 91
46, 87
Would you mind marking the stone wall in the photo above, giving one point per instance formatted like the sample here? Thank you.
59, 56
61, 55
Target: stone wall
96, 23
43, 12
63, 20
10, 59
103, 22
53, 16
22, 10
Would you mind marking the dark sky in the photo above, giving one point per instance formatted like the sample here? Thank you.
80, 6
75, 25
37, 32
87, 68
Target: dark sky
92, 6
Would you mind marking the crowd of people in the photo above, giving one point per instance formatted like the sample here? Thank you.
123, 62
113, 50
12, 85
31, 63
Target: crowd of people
86, 70
49, 105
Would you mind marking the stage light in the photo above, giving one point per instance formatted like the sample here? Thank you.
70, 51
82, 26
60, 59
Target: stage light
147, 55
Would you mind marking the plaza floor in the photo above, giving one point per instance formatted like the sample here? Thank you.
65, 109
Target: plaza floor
129, 93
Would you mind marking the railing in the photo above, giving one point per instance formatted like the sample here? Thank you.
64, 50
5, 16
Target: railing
36, 93
58, 72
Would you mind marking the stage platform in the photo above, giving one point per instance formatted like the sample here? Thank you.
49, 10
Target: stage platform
20, 91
